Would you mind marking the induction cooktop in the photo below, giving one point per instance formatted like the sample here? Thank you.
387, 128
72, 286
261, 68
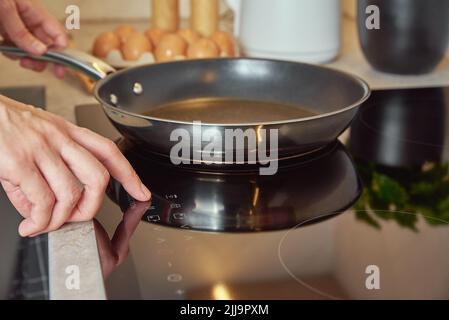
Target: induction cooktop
316, 188
298, 235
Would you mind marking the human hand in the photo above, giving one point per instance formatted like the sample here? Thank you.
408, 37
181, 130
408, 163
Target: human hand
55, 172
30, 27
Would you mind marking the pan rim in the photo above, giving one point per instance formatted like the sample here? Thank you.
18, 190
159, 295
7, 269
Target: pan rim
363, 84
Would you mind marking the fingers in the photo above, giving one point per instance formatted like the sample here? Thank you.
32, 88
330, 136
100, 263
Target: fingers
40, 33
42, 200
49, 177
110, 156
34, 65
66, 187
49, 27
59, 71
56, 32
16, 29
92, 174
17, 198
33, 29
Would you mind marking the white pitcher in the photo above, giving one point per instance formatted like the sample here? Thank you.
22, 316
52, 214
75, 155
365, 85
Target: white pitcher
296, 30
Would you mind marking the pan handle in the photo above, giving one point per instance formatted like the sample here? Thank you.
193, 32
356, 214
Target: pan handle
94, 68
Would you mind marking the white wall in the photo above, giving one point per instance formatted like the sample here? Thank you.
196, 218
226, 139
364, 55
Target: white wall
133, 9
111, 9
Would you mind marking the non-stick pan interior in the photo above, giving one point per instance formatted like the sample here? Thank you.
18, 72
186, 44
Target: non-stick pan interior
312, 88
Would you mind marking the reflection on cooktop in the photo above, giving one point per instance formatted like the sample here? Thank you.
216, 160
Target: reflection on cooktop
394, 244
312, 190
400, 143
386, 262
402, 127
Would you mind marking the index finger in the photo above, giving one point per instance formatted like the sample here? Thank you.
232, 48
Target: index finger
115, 162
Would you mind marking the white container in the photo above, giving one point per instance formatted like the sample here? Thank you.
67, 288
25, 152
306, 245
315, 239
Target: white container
295, 30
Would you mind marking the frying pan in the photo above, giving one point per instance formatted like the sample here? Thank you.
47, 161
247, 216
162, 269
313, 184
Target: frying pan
127, 95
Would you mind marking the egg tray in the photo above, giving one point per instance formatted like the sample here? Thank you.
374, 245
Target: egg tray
115, 59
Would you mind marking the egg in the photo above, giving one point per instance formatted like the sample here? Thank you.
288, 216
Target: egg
203, 49
225, 42
105, 43
135, 46
124, 31
155, 35
189, 35
170, 48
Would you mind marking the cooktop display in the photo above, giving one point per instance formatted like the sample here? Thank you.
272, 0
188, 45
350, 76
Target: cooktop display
299, 234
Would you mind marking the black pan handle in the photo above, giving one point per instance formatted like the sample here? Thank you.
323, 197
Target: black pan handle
77, 60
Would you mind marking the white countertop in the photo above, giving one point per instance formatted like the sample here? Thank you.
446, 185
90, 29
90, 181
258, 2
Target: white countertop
75, 244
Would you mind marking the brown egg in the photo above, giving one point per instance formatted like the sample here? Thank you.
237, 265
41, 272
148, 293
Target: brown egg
203, 49
155, 35
189, 35
225, 42
170, 47
124, 31
105, 43
135, 46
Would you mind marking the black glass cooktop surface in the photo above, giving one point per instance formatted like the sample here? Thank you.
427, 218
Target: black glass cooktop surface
392, 243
